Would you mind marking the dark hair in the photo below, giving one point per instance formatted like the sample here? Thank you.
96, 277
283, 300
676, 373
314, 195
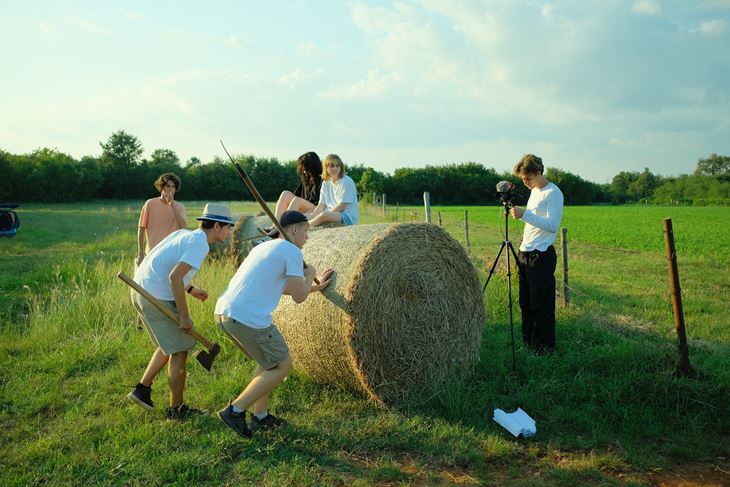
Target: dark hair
208, 224
309, 169
529, 164
164, 178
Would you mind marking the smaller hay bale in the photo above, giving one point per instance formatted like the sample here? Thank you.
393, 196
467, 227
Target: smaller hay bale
243, 234
403, 315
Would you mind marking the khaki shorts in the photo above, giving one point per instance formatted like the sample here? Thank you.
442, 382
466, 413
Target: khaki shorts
264, 346
163, 331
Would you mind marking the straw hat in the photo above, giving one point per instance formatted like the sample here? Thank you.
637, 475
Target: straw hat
217, 213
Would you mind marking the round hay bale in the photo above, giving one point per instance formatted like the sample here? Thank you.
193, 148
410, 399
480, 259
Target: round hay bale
220, 249
242, 236
403, 315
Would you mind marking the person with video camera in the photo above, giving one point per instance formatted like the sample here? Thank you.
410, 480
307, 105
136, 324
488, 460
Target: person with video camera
537, 258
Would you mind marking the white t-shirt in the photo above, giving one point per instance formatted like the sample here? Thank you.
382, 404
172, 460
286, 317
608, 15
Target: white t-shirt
257, 286
153, 274
542, 218
341, 191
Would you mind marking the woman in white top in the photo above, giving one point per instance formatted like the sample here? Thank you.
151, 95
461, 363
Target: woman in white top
338, 196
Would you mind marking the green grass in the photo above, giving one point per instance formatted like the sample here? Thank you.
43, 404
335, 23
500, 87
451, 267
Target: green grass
608, 408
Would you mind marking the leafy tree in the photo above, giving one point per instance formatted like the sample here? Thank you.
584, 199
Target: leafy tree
164, 158
643, 186
121, 149
715, 165
370, 182
121, 171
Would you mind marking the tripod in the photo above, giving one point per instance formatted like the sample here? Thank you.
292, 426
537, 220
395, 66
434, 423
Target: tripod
506, 243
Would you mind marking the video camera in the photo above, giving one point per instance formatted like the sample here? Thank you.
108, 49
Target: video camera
505, 193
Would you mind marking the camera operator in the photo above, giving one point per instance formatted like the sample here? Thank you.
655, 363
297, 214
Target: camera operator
537, 258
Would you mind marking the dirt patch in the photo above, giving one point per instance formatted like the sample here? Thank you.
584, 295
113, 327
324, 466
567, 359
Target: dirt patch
692, 476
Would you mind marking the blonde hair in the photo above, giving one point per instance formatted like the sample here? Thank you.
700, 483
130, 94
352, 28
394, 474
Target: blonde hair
330, 160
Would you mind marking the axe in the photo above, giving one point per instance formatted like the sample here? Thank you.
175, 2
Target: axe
205, 358
249, 184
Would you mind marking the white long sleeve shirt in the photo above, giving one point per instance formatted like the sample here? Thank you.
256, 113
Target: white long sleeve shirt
542, 218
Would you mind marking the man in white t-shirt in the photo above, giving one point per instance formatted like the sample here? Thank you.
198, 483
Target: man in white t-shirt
166, 273
537, 258
244, 313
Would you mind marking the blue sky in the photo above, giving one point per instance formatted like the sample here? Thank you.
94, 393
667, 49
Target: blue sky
594, 87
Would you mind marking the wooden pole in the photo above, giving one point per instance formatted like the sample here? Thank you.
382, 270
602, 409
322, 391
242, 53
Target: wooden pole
564, 242
439, 214
466, 230
383, 204
684, 367
396, 210
427, 205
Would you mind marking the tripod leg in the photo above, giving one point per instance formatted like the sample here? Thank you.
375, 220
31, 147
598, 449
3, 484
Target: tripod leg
494, 265
517, 261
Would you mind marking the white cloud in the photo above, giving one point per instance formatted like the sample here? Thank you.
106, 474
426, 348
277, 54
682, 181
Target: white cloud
291, 80
133, 15
647, 7
307, 48
713, 27
372, 86
88, 25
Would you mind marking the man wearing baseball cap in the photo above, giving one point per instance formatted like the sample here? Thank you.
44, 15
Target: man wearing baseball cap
166, 273
244, 313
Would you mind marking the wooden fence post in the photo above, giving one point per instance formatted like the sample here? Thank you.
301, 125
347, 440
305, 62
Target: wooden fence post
466, 230
684, 367
383, 205
439, 214
396, 210
427, 205
564, 242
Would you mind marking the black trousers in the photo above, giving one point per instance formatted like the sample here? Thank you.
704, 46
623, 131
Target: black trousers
537, 298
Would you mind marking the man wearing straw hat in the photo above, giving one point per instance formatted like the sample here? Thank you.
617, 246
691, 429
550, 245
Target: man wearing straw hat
166, 273
244, 311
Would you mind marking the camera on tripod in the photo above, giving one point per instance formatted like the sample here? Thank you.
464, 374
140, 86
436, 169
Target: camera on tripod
505, 193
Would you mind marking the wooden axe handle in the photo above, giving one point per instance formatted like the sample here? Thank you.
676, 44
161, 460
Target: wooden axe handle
193, 332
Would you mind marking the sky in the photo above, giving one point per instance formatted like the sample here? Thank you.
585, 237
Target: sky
593, 87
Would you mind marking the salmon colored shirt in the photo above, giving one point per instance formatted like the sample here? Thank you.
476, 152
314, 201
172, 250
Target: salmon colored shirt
158, 221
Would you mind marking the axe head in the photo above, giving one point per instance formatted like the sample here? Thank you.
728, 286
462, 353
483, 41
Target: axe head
206, 358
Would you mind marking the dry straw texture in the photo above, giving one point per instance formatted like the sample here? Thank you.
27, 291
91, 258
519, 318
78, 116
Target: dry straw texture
403, 314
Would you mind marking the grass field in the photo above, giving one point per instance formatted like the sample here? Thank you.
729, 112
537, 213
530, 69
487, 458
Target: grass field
609, 410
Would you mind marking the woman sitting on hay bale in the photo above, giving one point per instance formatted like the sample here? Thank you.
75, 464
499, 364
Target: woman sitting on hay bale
306, 195
338, 198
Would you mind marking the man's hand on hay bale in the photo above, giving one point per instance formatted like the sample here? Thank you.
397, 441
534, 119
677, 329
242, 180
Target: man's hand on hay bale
324, 279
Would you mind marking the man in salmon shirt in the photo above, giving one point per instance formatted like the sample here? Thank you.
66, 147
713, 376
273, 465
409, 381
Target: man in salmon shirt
160, 216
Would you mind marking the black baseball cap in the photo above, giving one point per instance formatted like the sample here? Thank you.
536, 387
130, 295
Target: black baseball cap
289, 217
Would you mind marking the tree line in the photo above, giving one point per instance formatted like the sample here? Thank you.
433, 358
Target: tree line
120, 172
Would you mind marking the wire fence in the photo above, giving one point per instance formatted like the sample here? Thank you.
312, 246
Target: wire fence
482, 241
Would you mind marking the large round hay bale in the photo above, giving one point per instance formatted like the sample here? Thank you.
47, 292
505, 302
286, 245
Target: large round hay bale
403, 315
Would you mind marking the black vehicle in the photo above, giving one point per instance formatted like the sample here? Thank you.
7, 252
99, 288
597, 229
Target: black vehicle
9, 220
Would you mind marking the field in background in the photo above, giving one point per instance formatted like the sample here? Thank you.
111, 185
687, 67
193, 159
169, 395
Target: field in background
609, 411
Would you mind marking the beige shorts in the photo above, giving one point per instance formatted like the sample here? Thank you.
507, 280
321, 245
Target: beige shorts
264, 346
163, 331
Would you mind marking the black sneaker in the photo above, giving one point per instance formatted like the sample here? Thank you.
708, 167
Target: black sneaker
183, 411
235, 421
141, 396
266, 423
